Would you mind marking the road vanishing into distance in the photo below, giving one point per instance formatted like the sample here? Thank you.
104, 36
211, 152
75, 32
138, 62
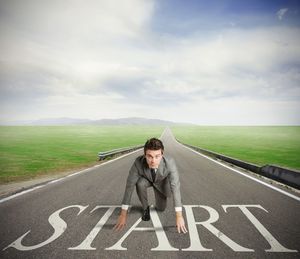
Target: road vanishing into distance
228, 215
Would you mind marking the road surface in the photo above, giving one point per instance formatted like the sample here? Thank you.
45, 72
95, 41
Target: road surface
228, 215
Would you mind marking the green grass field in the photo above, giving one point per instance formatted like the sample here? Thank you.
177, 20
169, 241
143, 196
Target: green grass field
28, 151
259, 145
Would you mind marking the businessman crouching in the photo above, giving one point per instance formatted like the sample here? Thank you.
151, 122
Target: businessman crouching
153, 170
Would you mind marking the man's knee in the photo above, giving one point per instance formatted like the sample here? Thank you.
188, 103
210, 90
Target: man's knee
142, 184
161, 205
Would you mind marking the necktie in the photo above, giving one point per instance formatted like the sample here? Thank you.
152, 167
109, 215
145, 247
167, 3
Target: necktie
153, 174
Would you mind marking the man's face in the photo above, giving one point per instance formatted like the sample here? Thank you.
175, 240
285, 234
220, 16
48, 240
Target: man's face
153, 157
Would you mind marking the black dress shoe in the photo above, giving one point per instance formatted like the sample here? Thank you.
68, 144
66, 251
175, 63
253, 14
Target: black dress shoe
146, 214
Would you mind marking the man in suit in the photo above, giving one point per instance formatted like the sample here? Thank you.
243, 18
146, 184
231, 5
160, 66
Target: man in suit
153, 170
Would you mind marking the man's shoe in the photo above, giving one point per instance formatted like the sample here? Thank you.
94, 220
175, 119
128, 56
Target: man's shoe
146, 214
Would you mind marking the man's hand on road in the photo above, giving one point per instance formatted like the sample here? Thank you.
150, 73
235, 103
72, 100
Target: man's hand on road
121, 221
180, 223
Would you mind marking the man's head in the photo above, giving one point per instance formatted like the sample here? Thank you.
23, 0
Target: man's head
153, 150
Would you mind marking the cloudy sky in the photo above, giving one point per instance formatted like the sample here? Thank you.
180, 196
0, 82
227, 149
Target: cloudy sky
206, 62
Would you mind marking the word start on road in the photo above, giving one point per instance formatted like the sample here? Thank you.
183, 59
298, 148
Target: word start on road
59, 226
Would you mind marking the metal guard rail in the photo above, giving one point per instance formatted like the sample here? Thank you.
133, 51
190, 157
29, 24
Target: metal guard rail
280, 174
105, 154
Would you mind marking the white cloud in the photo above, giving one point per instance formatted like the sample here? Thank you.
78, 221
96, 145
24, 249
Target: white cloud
281, 13
239, 63
102, 59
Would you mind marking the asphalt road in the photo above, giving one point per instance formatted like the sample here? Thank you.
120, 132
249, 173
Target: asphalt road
228, 215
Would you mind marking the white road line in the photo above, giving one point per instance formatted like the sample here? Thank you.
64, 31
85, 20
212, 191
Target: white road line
62, 178
70, 175
251, 177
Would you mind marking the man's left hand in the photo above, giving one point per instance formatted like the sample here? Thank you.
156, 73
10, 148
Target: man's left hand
180, 223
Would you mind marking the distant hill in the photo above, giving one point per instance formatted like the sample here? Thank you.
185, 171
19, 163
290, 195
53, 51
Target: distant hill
72, 121
60, 121
133, 121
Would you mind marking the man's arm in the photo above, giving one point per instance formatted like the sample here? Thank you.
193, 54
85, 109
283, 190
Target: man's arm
175, 188
175, 184
130, 184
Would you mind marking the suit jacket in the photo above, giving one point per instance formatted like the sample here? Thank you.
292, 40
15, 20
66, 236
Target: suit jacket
166, 180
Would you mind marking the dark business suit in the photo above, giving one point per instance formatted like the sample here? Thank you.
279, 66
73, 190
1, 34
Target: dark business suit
166, 182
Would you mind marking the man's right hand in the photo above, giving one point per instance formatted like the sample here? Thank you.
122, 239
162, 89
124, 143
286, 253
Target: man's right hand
121, 221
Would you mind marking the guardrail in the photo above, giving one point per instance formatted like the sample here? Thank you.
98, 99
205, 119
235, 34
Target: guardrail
280, 174
103, 155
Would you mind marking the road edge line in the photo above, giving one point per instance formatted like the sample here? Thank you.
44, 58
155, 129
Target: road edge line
246, 175
43, 184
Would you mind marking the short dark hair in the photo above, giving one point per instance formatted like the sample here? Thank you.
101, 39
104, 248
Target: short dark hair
153, 144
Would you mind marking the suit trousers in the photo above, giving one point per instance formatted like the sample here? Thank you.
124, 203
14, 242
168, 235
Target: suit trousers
141, 189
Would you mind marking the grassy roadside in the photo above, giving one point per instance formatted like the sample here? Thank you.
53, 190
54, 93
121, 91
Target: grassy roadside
279, 145
30, 151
